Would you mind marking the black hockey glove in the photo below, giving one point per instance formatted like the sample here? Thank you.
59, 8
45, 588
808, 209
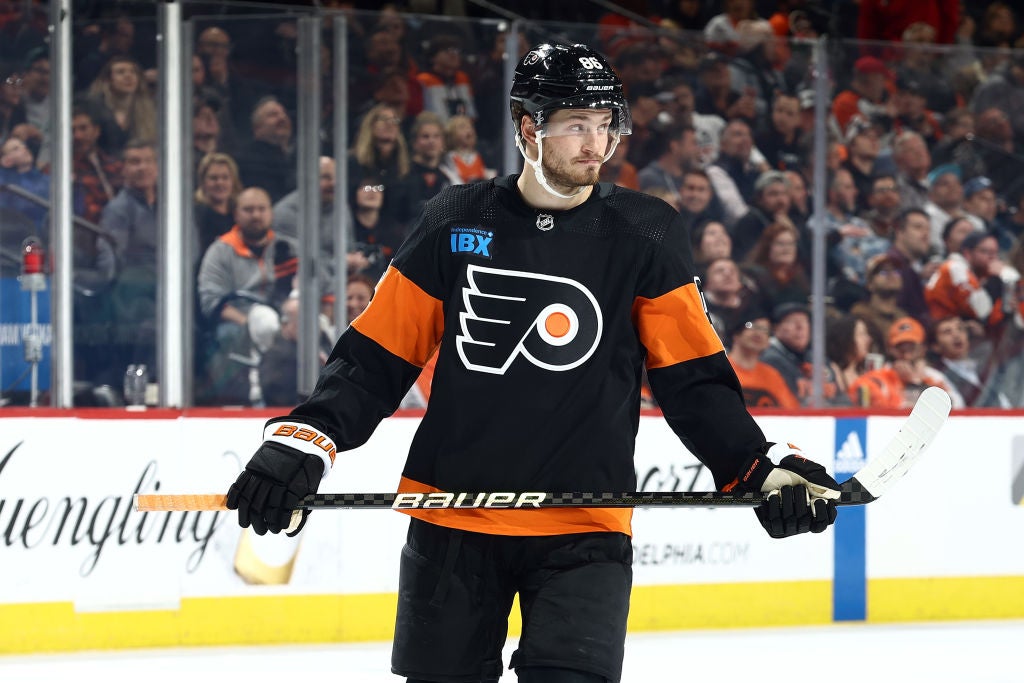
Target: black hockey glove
268, 491
800, 496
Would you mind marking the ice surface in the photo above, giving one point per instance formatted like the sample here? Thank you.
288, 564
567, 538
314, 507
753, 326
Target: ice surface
953, 652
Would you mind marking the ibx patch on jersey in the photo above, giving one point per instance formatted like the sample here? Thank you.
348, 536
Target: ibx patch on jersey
476, 241
553, 322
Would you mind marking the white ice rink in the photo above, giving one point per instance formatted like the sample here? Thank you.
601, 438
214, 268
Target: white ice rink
961, 652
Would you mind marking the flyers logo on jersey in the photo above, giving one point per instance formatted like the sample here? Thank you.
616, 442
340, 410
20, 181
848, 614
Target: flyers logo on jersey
553, 322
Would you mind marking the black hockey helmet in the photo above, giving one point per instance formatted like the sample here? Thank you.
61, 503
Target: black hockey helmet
552, 76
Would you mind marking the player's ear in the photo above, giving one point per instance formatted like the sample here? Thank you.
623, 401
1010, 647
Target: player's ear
528, 129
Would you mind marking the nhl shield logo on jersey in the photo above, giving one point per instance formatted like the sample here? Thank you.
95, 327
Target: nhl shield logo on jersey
555, 323
545, 221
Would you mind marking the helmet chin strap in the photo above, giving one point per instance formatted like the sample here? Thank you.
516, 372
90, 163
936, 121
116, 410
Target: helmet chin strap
537, 165
538, 170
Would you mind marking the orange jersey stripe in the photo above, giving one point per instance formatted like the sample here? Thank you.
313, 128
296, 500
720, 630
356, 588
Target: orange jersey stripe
543, 522
674, 327
403, 318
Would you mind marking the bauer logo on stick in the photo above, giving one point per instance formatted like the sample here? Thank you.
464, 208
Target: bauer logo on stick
408, 501
553, 322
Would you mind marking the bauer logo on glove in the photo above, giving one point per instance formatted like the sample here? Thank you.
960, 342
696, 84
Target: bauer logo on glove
800, 496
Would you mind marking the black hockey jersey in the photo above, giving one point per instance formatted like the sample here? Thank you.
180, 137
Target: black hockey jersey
543, 322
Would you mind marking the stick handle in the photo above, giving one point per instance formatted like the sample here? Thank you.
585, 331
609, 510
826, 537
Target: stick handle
166, 502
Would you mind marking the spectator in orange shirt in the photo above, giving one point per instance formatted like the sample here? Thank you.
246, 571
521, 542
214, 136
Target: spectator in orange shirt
763, 386
899, 382
972, 284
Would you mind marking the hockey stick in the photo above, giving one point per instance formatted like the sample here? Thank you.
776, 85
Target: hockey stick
867, 485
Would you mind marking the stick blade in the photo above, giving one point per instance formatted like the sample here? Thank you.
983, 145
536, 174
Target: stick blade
914, 437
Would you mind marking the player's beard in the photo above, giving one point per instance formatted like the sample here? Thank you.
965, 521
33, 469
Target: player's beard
568, 175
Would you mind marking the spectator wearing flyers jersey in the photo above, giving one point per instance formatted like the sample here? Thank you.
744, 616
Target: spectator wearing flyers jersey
763, 386
973, 283
447, 90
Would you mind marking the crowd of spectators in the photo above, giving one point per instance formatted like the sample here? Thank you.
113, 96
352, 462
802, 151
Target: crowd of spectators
924, 192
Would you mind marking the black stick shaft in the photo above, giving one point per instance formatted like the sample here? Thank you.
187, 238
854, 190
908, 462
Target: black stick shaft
852, 493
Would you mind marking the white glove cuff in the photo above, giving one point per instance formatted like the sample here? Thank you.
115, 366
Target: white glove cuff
303, 438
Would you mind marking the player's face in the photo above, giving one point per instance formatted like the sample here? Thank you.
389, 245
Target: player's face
575, 142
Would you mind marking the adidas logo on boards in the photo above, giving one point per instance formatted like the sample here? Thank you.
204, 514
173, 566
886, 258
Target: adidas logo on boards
851, 456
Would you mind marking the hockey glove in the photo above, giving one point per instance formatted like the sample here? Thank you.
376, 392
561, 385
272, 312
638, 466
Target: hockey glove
800, 496
269, 490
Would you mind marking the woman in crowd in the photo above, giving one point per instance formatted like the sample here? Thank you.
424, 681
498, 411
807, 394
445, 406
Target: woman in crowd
775, 267
375, 233
12, 110
848, 346
122, 98
217, 186
709, 241
379, 150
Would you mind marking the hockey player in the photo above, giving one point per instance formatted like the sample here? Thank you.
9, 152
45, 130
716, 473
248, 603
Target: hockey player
545, 295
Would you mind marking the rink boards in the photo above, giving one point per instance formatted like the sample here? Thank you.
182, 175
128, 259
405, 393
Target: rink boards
82, 570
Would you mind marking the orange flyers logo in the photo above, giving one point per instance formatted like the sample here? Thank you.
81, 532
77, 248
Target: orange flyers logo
553, 322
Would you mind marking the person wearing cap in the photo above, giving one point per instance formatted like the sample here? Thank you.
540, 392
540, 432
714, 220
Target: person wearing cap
863, 143
945, 201
447, 90
789, 352
770, 204
901, 380
911, 108
763, 386
980, 202
974, 283
880, 310
867, 95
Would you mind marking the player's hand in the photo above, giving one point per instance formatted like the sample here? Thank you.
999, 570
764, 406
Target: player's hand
800, 496
269, 490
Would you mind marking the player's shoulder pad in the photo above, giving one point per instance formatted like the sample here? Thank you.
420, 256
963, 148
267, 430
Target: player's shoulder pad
476, 201
641, 215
